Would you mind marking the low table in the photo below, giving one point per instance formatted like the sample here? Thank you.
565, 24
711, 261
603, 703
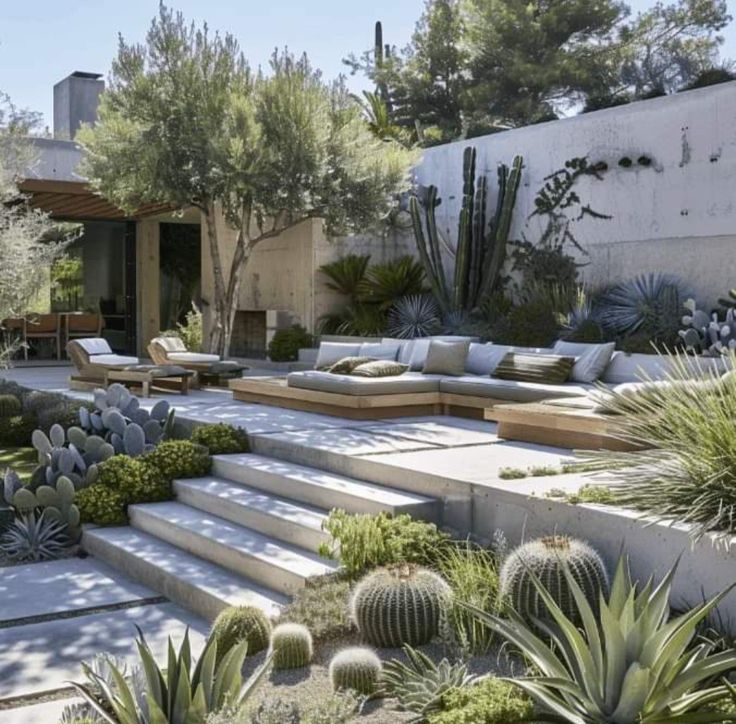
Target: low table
553, 423
145, 377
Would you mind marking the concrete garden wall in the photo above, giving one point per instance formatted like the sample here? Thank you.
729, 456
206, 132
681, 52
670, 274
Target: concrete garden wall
677, 215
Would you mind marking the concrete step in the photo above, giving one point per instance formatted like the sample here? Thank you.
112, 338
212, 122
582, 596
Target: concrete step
324, 489
192, 582
280, 518
271, 563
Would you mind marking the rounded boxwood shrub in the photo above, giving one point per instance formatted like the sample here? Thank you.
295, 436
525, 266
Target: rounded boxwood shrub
101, 505
286, 343
221, 439
400, 605
241, 623
135, 480
179, 459
491, 701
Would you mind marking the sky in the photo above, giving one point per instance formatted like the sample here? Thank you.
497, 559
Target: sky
43, 41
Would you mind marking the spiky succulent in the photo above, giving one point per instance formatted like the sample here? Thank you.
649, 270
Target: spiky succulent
291, 644
356, 669
241, 623
34, 538
414, 316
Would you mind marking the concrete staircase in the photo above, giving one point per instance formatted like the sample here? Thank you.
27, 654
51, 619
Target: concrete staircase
247, 534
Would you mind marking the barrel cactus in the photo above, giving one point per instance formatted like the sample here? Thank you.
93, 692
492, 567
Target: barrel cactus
291, 644
400, 605
120, 421
546, 559
9, 406
357, 669
241, 623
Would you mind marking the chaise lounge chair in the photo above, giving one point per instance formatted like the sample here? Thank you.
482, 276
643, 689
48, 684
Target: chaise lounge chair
210, 368
93, 359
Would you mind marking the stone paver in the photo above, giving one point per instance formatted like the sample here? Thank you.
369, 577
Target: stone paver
47, 713
38, 589
45, 656
436, 431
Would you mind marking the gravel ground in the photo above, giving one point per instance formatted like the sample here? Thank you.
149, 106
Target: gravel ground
313, 685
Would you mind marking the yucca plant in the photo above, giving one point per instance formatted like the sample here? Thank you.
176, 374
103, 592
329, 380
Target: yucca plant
417, 315
32, 538
686, 426
420, 685
631, 664
177, 694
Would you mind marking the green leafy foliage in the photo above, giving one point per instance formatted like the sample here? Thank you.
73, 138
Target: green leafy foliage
286, 343
659, 675
135, 480
179, 459
420, 684
323, 606
489, 701
221, 439
241, 623
9, 406
101, 505
16, 431
185, 691
363, 541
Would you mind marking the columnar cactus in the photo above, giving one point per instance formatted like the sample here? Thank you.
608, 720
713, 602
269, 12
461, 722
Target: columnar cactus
402, 605
291, 644
9, 406
357, 669
120, 421
546, 559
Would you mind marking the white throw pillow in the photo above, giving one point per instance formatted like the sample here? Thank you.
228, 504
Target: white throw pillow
591, 360
484, 358
331, 352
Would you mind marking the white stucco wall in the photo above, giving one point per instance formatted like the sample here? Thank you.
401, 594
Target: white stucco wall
677, 216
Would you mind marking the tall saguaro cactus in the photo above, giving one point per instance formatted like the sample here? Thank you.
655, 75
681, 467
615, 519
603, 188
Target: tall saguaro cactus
481, 243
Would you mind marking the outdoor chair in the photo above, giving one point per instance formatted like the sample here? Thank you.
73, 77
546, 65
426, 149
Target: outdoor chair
210, 368
93, 359
83, 325
42, 326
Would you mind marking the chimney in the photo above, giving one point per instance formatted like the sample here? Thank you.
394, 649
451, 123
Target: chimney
75, 102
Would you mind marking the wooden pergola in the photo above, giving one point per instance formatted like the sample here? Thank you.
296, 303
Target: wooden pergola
75, 201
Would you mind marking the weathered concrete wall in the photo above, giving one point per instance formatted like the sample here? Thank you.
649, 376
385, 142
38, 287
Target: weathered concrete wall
677, 215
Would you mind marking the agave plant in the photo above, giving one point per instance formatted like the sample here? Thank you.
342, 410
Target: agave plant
649, 302
177, 694
420, 685
632, 664
417, 315
31, 538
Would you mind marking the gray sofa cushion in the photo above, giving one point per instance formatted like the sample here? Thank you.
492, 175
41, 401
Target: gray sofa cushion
331, 352
591, 360
380, 350
348, 385
635, 367
510, 390
446, 358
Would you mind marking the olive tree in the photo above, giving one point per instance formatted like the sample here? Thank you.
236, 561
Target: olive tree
186, 121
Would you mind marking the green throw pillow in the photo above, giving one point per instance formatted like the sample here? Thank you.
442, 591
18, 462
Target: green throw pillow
546, 369
446, 358
347, 364
380, 368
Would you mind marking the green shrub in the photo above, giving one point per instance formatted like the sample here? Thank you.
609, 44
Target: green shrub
62, 413
101, 505
531, 324
241, 623
16, 431
363, 541
286, 343
221, 439
135, 480
490, 701
9, 406
324, 608
179, 459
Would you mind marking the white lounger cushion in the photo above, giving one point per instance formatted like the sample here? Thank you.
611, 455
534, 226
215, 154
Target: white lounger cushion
94, 345
113, 360
193, 357
510, 390
347, 385
170, 344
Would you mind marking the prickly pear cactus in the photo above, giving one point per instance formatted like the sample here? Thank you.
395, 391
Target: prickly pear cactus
546, 560
357, 669
708, 335
120, 421
291, 644
401, 605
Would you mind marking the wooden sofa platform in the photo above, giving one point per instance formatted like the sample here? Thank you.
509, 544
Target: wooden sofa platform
275, 391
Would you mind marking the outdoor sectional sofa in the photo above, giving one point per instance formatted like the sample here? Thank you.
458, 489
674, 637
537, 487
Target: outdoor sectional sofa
415, 393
